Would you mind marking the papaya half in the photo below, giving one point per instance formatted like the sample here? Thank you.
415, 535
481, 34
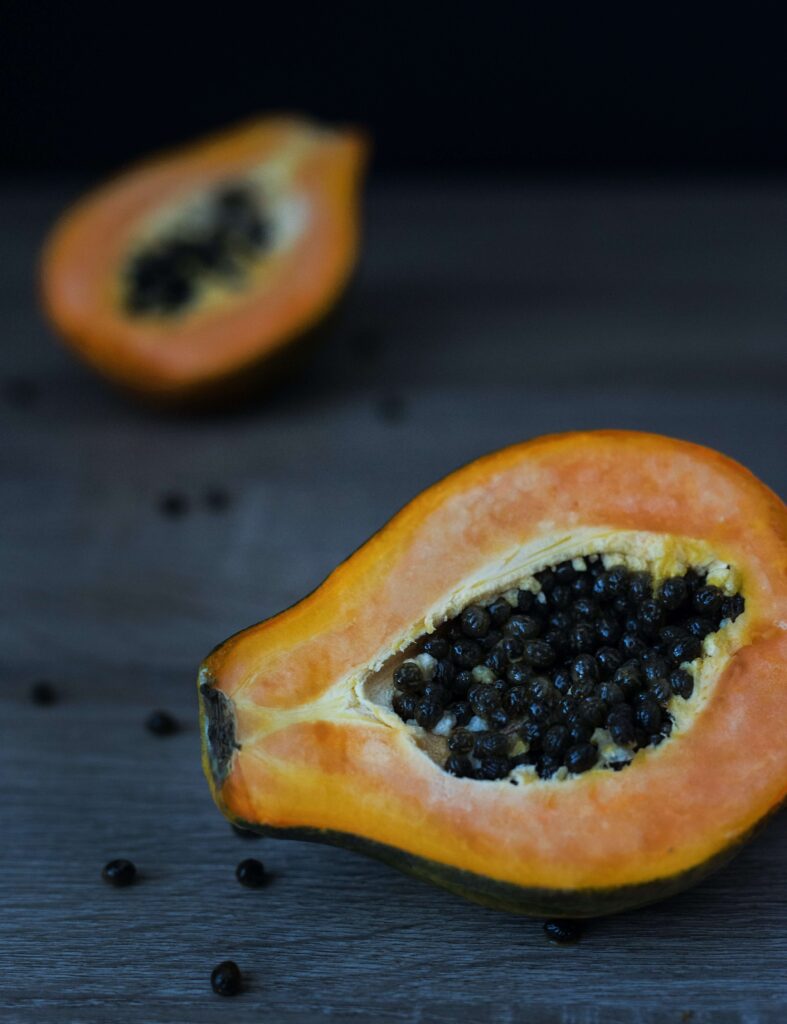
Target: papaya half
554, 683
182, 274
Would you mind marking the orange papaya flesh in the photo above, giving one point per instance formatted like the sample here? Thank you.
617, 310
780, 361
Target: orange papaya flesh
306, 731
194, 267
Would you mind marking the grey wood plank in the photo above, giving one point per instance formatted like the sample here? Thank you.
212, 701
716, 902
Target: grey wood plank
493, 314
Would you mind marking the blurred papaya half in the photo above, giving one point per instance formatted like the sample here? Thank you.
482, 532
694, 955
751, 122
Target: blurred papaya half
191, 269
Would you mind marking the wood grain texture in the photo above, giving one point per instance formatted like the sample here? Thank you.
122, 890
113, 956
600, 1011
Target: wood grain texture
480, 317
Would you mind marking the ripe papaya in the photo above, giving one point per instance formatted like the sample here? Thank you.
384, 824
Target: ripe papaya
554, 683
183, 274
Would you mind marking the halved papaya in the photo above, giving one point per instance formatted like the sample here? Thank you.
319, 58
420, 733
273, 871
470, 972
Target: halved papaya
182, 273
554, 683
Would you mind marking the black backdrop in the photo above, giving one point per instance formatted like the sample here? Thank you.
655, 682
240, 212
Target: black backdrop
448, 88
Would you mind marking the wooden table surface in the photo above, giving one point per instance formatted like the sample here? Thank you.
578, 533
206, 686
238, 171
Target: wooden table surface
480, 316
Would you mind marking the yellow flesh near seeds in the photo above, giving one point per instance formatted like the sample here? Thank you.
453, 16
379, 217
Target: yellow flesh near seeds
366, 693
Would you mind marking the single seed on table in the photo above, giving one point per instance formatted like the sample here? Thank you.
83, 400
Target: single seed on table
161, 723
226, 979
43, 693
217, 499
251, 873
563, 931
173, 505
119, 873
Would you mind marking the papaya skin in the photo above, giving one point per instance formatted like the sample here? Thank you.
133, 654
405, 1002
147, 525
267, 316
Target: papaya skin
310, 765
215, 351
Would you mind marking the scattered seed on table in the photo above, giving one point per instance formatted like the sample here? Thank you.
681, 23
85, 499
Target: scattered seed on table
43, 693
161, 723
173, 505
563, 931
226, 979
251, 873
119, 872
217, 499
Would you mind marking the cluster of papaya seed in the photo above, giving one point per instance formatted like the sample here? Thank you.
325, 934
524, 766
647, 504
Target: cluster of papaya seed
165, 276
596, 655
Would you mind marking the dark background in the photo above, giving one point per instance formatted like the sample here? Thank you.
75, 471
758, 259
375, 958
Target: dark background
452, 88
